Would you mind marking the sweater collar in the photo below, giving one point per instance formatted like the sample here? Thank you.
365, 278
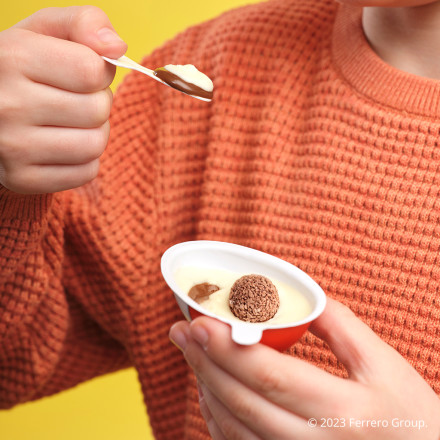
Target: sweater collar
372, 77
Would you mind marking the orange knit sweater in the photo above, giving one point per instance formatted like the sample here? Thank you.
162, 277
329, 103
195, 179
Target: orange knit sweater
312, 150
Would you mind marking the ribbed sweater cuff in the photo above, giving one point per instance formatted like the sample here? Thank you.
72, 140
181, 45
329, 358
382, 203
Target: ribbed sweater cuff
24, 207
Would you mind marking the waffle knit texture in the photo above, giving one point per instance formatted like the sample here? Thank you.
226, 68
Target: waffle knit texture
312, 150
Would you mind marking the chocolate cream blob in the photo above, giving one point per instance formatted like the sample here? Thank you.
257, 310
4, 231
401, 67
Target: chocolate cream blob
201, 292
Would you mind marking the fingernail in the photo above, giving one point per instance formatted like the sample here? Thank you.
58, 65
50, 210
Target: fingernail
108, 36
178, 338
200, 334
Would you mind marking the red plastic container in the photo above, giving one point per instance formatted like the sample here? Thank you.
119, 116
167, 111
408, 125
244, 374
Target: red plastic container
236, 258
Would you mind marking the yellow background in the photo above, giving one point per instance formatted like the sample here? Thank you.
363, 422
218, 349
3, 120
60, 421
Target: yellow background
109, 407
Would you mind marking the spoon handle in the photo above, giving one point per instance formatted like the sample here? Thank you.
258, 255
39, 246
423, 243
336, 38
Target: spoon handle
130, 64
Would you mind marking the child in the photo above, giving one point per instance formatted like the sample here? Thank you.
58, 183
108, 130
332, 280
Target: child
320, 147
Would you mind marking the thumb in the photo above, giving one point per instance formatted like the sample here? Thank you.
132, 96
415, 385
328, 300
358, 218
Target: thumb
355, 344
87, 25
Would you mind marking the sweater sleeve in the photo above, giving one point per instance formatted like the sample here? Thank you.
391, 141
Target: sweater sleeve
29, 261
40, 326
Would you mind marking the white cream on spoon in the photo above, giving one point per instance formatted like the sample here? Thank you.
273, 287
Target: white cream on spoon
185, 78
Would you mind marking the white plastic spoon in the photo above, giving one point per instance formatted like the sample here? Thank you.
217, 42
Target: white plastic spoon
186, 79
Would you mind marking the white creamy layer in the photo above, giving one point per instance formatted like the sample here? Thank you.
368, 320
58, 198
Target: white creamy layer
192, 75
293, 305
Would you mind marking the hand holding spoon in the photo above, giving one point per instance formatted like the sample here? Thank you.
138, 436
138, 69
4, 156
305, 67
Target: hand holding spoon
185, 78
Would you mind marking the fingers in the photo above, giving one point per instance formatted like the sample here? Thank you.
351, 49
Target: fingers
41, 179
62, 64
293, 384
56, 146
252, 410
64, 109
222, 424
361, 351
51, 159
87, 25
29, 136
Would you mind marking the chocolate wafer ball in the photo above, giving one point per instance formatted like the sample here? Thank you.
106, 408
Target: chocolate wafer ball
254, 298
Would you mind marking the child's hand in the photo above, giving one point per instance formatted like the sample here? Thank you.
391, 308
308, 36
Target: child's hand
257, 393
54, 98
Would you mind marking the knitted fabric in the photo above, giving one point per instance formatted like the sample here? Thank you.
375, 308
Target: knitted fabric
312, 150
